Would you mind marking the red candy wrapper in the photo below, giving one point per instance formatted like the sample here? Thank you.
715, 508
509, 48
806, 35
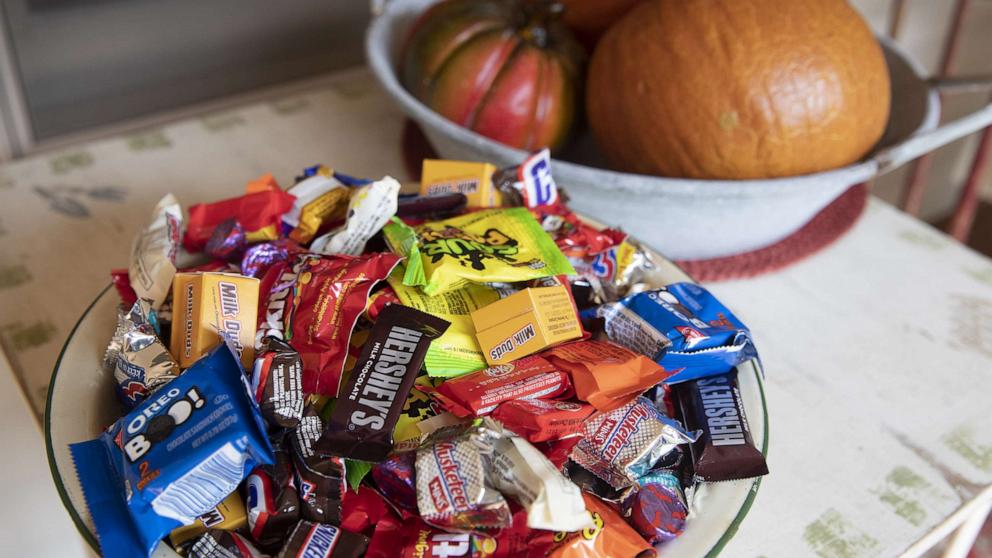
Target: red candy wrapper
122, 283
259, 214
541, 421
361, 511
416, 539
575, 238
313, 302
478, 393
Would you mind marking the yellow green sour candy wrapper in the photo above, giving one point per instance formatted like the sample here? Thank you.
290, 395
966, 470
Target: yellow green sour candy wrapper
491, 246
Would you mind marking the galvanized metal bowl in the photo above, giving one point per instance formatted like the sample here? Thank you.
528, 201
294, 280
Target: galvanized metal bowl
685, 218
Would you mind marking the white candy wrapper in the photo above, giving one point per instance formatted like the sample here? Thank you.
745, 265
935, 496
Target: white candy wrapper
552, 502
153, 256
370, 208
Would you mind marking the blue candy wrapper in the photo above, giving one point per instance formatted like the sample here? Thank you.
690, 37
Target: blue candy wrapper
682, 327
173, 458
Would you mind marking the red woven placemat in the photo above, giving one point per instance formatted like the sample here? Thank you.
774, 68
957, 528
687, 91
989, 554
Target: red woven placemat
828, 225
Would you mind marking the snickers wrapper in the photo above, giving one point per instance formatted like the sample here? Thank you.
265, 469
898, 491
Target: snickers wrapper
321, 540
725, 450
227, 544
272, 503
277, 383
368, 407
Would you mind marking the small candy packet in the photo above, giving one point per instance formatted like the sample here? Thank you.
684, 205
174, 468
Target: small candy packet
606, 375
323, 540
657, 507
258, 213
621, 445
139, 360
682, 327
272, 502
495, 245
173, 458
320, 200
153, 256
538, 420
369, 209
610, 535
217, 542
277, 383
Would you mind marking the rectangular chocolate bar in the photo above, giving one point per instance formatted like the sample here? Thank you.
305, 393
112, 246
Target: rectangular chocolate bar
725, 450
361, 425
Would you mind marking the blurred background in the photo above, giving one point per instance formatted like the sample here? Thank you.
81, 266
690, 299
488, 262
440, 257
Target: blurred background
79, 69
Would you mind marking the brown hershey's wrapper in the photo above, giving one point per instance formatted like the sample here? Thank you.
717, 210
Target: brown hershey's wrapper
725, 451
322, 540
361, 425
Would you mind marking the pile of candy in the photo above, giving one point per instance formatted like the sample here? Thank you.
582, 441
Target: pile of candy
338, 369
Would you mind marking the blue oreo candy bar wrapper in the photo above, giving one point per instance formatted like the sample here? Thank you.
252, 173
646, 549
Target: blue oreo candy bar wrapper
173, 458
682, 327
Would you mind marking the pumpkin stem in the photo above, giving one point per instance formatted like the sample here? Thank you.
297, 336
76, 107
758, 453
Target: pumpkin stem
536, 16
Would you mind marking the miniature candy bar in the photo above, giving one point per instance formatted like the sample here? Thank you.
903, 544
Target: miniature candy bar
229, 515
361, 425
276, 383
210, 307
272, 502
370, 208
179, 454
258, 212
227, 242
153, 256
541, 421
473, 180
319, 479
725, 450
621, 445
319, 199
217, 543
321, 540
139, 361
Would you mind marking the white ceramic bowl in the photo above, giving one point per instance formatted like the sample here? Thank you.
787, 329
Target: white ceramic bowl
81, 403
685, 219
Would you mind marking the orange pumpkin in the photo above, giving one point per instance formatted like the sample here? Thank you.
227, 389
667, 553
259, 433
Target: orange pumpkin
737, 88
588, 19
508, 70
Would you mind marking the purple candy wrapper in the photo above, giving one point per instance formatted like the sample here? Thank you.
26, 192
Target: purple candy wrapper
227, 242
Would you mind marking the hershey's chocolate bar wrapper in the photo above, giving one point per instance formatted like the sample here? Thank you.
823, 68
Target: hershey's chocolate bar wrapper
725, 450
277, 383
362, 423
321, 540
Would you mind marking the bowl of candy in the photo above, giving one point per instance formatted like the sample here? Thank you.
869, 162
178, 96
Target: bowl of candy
352, 367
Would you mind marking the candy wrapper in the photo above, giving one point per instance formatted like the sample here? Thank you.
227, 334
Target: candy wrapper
227, 242
416, 539
542, 421
153, 256
436, 206
361, 425
322, 540
529, 184
519, 470
477, 394
272, 502
621, 445
216, 542
259, 258
725, 450
395, 477
140, 362
320, 199
313, 303
363, 509
229, 515
496, 245
606, 375
457, 351
417, 408
369, 210
682, 327
173, 458
258, 213
453, 492
657, 508
613, 272
319, 479
277, 383
610, 536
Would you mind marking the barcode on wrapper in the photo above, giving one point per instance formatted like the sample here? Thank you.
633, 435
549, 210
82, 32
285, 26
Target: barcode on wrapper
199, 490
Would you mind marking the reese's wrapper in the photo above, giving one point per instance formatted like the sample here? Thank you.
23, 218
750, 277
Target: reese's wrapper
320, 479
138, 359
453, 490
496, 245
215, 543
322, 540
313, 303
479, 393
725, 450
153, 255
361, 425
541, 421
609, 536
277, 383
621, 445
606, 375
173, 458
272, 502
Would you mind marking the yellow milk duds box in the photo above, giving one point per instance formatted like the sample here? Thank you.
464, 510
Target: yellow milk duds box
206, 306
525, 323
475, 180
228, 515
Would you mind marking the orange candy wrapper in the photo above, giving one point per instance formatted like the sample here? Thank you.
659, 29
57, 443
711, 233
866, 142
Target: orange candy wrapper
607, 376
610, 536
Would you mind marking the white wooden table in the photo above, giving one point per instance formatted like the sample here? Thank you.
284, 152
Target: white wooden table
878, 350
